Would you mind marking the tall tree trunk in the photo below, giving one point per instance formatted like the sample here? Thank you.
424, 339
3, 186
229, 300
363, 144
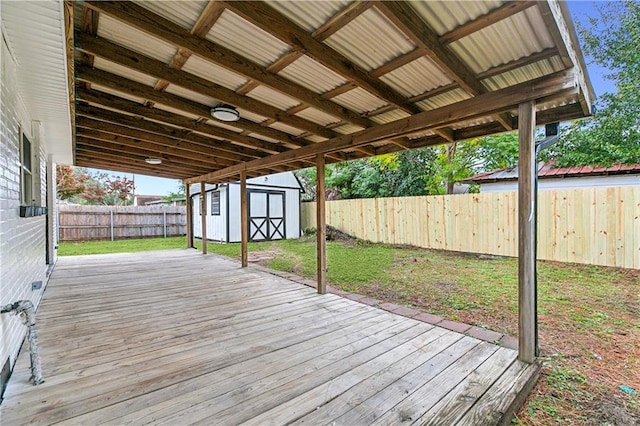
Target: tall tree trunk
451, 153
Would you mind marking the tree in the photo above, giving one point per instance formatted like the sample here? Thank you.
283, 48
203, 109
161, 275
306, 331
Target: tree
120, 189
180, 193
70, 183
611, 40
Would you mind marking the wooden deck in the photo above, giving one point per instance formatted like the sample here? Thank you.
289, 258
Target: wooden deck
176, 337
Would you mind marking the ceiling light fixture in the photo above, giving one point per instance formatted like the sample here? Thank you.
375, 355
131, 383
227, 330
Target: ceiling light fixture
154, 161
225, 113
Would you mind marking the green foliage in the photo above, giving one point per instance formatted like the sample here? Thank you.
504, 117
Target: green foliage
181, 192
613, 135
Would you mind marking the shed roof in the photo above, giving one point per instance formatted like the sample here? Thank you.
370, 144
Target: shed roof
345, 79
548, 170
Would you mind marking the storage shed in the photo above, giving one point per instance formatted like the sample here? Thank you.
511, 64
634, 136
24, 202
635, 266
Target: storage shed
273, 209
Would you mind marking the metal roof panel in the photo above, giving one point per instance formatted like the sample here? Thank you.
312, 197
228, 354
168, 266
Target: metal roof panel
416, 77
370, 40
244, 38
359, 100
309, 15
133, 39
213, 72
312, 75
184, 12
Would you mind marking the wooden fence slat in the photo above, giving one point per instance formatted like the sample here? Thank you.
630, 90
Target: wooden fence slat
598, 226
86, 223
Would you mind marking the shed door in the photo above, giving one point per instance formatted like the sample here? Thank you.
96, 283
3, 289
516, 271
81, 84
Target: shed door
266, 215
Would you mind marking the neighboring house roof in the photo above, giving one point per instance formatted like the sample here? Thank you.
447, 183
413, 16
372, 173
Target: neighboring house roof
143, 200
547, 170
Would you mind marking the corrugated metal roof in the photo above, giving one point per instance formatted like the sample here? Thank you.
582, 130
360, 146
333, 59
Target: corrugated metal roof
474, 122
213, 72
488, 47
347, 129
317, 116
286, 128
370, 40
121, 94
34, 31
309, 14
191, 95
526, 73
123, 71
416, 77
359, 100
312, 75
176, 111
184, 12
548, 170
223, 125
271, 97
134, 39
390, 116
256, 118
444, 16
241, 36
315, 138
447, 98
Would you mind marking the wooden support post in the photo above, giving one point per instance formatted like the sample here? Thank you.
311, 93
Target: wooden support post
203, 216
189, 216
244, 221
527, 170
321, 234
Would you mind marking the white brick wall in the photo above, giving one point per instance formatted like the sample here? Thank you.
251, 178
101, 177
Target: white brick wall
22, 240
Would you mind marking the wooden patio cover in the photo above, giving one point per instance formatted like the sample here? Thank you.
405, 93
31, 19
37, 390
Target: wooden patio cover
318, 81
348, 79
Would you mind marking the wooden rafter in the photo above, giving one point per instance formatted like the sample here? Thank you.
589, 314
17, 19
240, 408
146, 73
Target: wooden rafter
112, 81
562, 83
270, 20
507, 10
118, 54
341, 19
166, 30
405, 17
203, 25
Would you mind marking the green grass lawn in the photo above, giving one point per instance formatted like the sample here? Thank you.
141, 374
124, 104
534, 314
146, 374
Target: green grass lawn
589, 316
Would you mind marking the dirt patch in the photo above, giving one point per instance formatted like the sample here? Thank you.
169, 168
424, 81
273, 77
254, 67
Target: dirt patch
261, 256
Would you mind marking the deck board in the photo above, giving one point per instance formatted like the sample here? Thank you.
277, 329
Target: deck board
176, 337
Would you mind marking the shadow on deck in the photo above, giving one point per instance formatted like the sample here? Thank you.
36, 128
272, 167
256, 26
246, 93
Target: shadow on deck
176, 337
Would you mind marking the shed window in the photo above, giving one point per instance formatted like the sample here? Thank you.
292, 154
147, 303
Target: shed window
215, 204
26, 176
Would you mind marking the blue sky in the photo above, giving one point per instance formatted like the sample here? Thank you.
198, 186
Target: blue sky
580, 12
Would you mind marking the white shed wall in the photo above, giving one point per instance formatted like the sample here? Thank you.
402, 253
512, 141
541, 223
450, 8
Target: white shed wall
567, 183
217, 228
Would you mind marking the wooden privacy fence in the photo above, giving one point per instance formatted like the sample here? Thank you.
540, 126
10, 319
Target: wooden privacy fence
83, 223
599, 226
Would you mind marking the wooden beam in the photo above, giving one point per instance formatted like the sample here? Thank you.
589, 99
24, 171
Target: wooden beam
156, 132
507, 10
115, 160
405, 17
85, 160
341, 19
71, 85
398, 62
558, 21
144, 20
518, 63
89, 136
527, 233
321, 232
203, 216
124, 85
270, 20
244, 220
189, 215
557, 84
105, 49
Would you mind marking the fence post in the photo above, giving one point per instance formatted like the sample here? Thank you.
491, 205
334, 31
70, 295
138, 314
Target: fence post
111, 223
164, 222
